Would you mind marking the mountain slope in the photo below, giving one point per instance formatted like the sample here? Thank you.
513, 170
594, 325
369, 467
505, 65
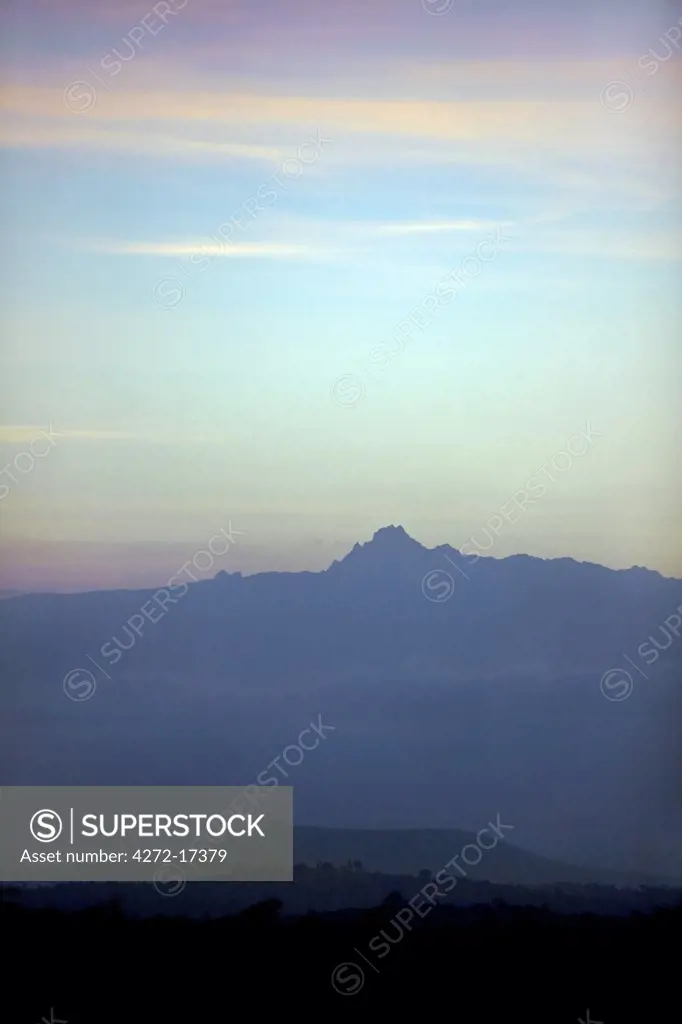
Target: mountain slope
409, 851
444, 711
378, 609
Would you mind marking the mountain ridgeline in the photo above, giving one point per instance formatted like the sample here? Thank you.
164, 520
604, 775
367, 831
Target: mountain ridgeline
454, 688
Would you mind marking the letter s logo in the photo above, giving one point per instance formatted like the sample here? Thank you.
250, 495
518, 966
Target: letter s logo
46, 826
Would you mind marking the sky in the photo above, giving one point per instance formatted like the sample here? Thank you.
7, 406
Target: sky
231, 235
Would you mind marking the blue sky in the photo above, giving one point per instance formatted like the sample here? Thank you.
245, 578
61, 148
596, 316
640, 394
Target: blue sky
179, 408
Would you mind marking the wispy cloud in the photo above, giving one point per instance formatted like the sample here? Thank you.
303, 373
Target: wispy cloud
545, 136
18, 434
243, 250
55, 134
425, 118
429, 227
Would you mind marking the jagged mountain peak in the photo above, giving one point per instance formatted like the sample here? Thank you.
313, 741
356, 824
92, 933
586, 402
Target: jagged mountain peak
395, 535
390, 549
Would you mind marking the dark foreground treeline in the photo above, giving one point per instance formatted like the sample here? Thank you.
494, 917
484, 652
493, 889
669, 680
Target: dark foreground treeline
480, 964
326, 888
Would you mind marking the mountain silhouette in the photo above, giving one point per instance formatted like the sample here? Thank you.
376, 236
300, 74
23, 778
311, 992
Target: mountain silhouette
389, 603
457, 688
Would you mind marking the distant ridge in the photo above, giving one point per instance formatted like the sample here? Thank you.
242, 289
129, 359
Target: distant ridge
390, 547
450, 691
553, 616
409, 851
